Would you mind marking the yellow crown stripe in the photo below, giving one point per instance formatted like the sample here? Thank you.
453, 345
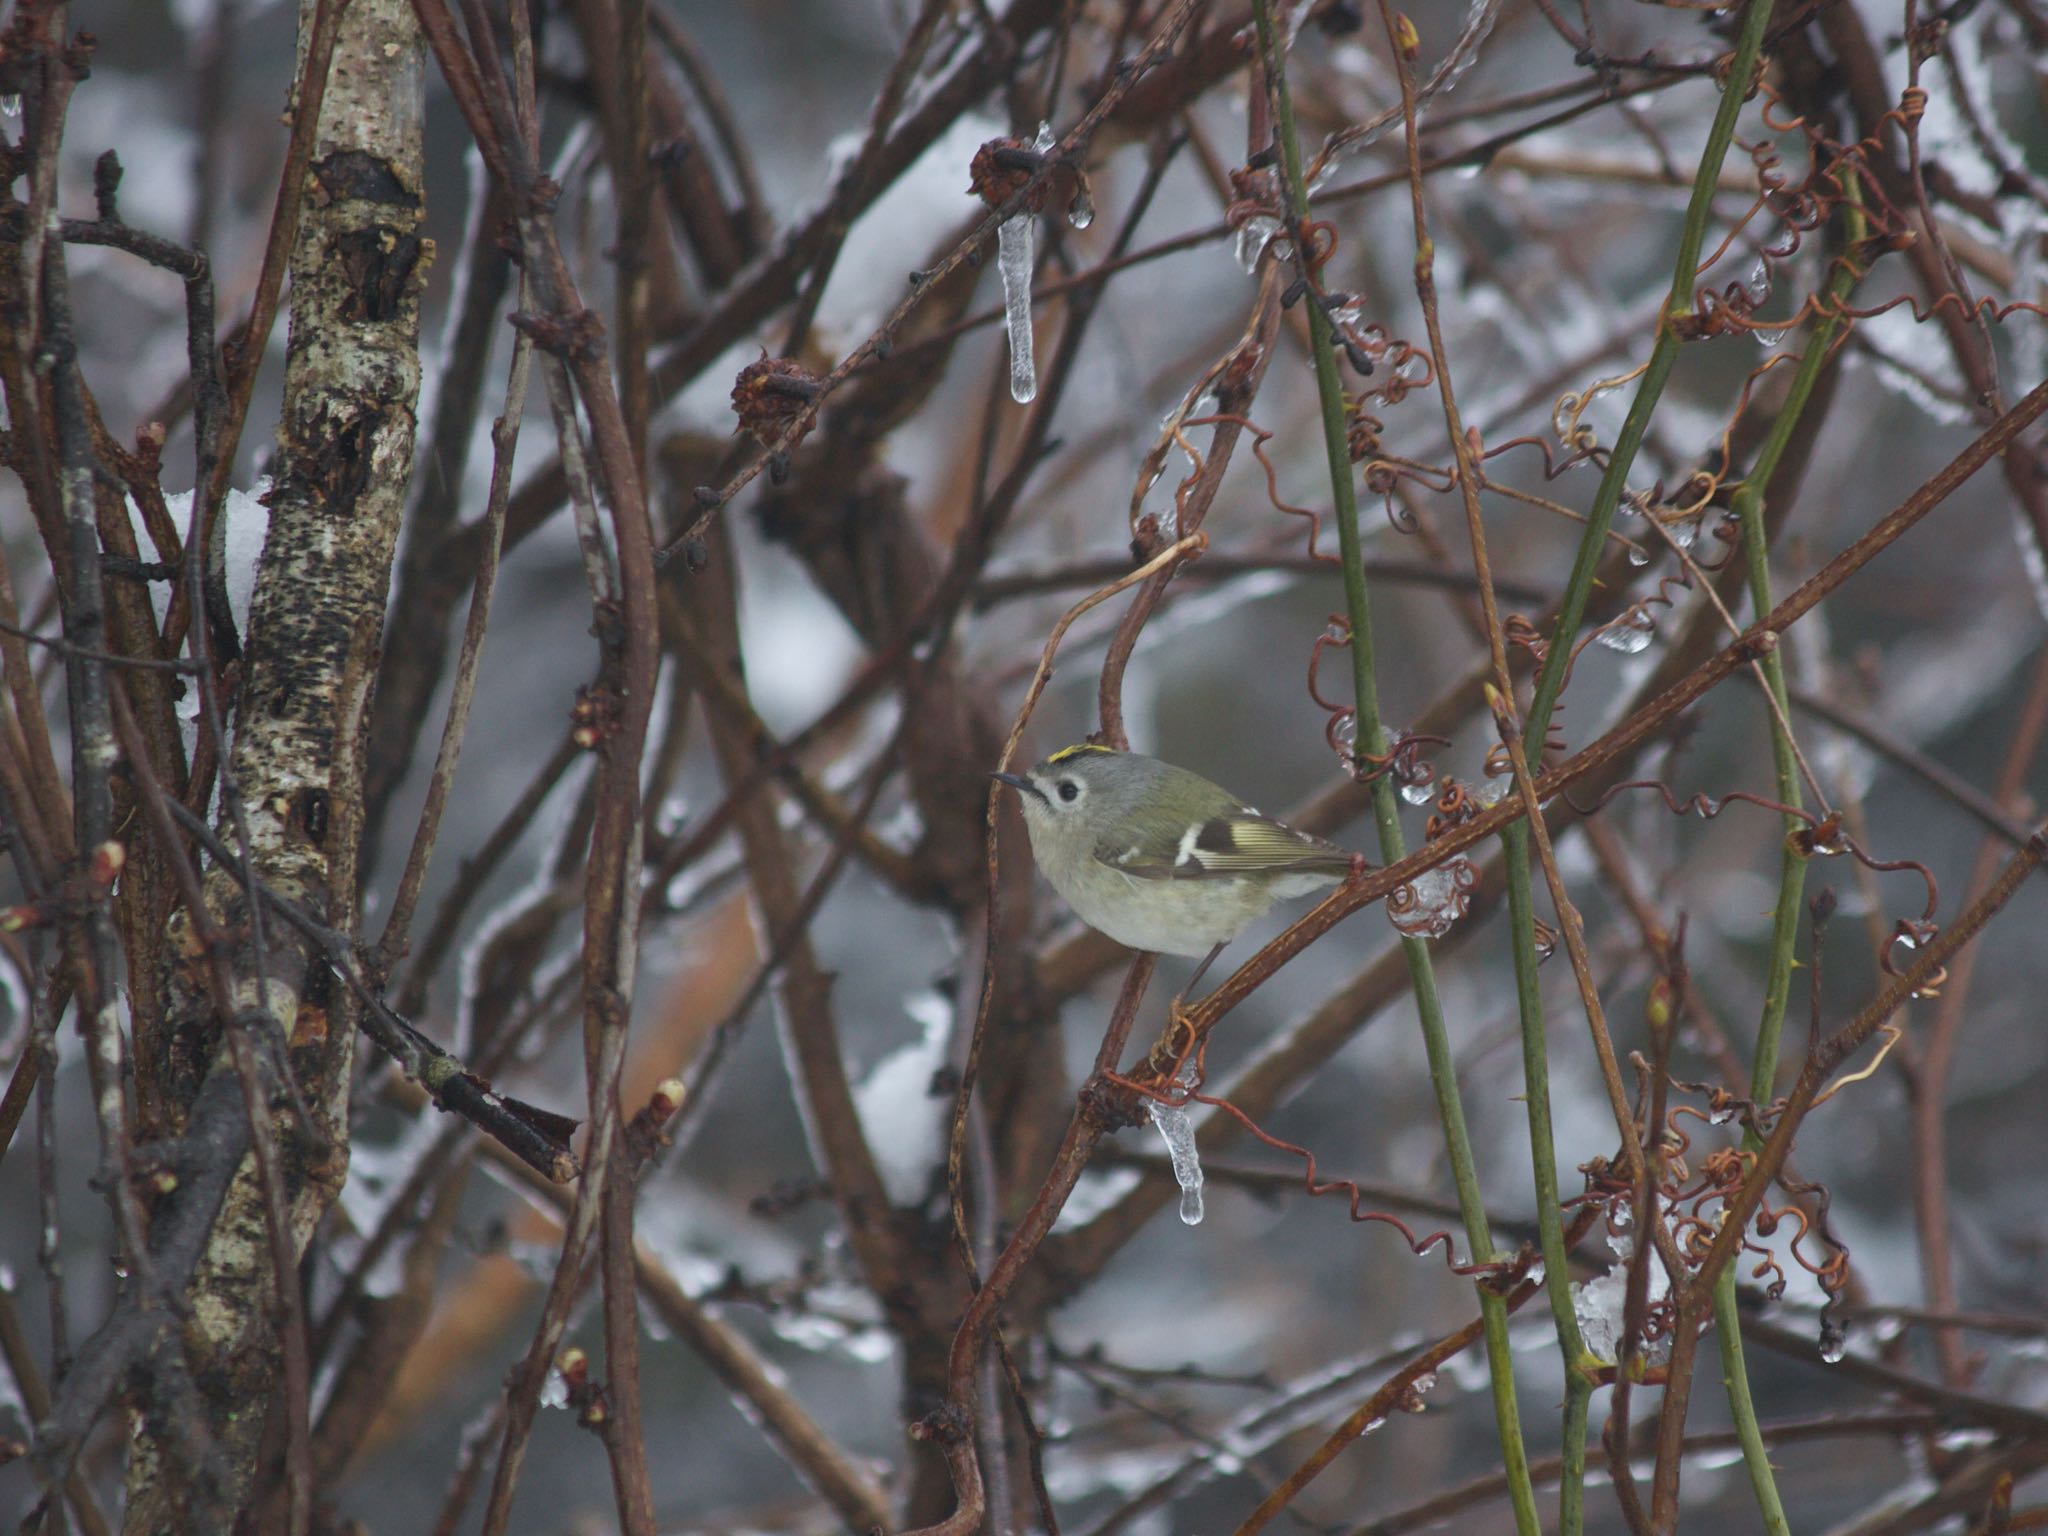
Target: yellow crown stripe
1075, 751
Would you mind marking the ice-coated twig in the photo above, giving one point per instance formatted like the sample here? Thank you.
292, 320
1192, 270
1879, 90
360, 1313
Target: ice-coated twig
1178, 1129
1014, 260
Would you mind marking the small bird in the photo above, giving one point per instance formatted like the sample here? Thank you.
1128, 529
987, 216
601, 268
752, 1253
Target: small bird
1159, 858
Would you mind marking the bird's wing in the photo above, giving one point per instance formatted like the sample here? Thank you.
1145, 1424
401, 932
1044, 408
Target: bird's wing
1229, 844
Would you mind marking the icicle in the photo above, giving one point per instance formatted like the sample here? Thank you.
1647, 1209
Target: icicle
1179, 1133
1014, 259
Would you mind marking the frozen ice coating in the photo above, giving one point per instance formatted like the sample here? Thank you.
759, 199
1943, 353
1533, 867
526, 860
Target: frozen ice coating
554, 1392
1758, 284
1252, 238
1479, 20
1427, 906
1343, 736
1178, 1129
1014, 258
1598, 1305
1630, 637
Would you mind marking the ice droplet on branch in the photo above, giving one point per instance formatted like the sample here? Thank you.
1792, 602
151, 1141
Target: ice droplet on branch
1014, 259
554, 1391
1178, 1130
1344, 737
1598, 1304
1630, 635
1427, 906
1252, 238
1834, 1343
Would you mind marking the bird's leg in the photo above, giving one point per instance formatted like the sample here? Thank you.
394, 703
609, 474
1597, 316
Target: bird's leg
1177, 1009
1207, 961
1179, 1039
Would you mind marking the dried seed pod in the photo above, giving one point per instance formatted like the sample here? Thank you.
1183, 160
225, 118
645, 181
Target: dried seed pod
1000, 169
769, 394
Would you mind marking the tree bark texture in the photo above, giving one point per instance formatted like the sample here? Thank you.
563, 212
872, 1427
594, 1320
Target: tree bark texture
345, 449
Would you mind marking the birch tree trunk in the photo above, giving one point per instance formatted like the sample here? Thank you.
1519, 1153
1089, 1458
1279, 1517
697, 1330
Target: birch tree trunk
344, 459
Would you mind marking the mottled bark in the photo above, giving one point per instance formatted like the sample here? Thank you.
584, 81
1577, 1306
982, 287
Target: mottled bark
344, 458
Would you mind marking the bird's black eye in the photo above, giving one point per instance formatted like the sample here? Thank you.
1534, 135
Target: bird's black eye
1069, 790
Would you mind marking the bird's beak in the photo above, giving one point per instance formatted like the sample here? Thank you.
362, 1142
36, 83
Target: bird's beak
1018, 782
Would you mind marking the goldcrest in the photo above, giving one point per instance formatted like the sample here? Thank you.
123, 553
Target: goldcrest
1159, 858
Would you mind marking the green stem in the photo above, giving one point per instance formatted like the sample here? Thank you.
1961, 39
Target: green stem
1371, 738
1748, 505
1749, 509
1557, 1278
1756, 1456
1663, 354
1549, 683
